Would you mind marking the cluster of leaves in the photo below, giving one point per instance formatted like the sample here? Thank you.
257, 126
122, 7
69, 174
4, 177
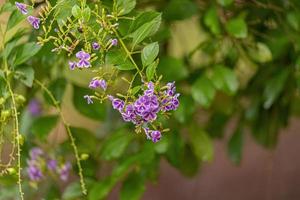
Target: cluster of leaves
228, 64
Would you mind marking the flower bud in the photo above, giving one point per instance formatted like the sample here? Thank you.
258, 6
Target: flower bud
5, 114
84, 156
11, 171
20, 99
2, 100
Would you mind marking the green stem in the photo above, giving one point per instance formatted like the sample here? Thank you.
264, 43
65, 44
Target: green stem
56, 104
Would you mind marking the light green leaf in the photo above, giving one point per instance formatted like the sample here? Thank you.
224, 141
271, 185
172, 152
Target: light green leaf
211, 20
149, 53
114, 146
15, 18
177, 9
86, 14
73, 191
201, 144
143, 18
119, 59
76, 11
225, 2
26, 51
151, 69
172, 69
235, 146
237, 27
261, 53
203, 91
25, 74
125, 6
133, 187
57, 88
42, 126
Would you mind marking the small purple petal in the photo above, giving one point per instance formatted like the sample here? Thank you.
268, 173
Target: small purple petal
72, 65
155, 136
96, 46
82, 55
52, 164
114, 42
22, 7
65, 171
34, 108
35, 153
34, 21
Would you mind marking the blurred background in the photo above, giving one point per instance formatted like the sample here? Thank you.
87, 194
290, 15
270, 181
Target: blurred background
235, 135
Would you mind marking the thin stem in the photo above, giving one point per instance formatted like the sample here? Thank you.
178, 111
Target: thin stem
56, 104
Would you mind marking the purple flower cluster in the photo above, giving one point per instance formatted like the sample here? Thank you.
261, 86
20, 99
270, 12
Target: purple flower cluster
40, 164
34, 21
96, 83
147, 107
83, 60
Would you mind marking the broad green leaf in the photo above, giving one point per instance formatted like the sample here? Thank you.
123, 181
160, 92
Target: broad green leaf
185, 110
146, 30
125, 6
235, 146
8, 49
133, 187
86, 14
7, 7
25, 74
201, 144
42, 126
151, 69
85, 140
224, 79
149, 53
203, 91
64, 10
115, 145
76, 11
172, 69
57, 88
119, 59
261, 53
189, 163
225, 2
143, 18
15, 18
180, 9
95, 111
26, 51
293, 18
274, 87
73, 191
237, 27
211, 20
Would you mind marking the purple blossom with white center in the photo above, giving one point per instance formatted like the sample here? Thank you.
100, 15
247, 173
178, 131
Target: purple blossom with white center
65, 171
155, 136
35, 153
117, 104
22, 7
34, 21
96, 45
83, 59
150, 90
114, 42
170, 103
88, 99
129, 115
150, 114
72, 65
52, 164
34, 107
147, 105
171, 88
95, 83
34, 172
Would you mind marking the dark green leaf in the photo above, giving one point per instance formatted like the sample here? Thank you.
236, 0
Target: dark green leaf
180, 9
73, 191
211, 20
203, 91
149, 53
235, 146
237, 27
42, 126
172, 69
26, 51
57, 88
15, 18
133, 187
125, 6
25, 74
225, 2
119, 59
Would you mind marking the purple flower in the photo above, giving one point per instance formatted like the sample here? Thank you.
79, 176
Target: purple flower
95, 83
83, 59
35, 153
89, 99
114, 42
147, 132
129, 114
34, 172
22, 7
65, 171
150, 114
117, 104
52, 164
171, 88
34, 107
155, 136
146, 104
150, 90
170, 103
95, 45
72, 65
34, 21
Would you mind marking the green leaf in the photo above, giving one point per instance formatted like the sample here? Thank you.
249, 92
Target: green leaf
15, 18
26, 51
57, 88
203, 91
235, 146
151, 69
185, 110
42, 126
125, 6
149, 53
293, 18
25, 74
86, 141
143, 18
8, 49
115, 145
261, 53
7, 7
177, 9
73, 191
119, 59
201, 144
146, 30
172, 69
133, 187
76, 11
64, 10
211, 20
86, 14
274, 87
224, 79
225, 2
95, 111
237, 27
